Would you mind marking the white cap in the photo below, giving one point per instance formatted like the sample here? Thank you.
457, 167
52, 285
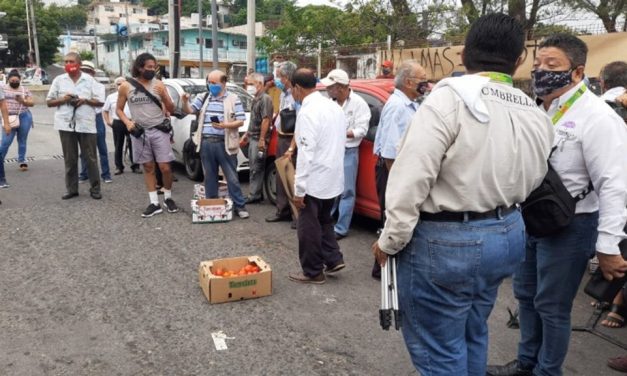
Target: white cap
88, 65
336, 76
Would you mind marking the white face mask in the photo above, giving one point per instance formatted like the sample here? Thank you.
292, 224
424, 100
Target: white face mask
251, 89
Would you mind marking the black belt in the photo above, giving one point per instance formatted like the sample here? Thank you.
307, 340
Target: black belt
282, 135
447, 216
212, 138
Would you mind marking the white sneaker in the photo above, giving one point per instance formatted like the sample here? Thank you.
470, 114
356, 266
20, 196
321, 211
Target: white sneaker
242, 213
4, 185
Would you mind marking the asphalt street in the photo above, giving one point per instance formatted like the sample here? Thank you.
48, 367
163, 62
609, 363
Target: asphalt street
89, 287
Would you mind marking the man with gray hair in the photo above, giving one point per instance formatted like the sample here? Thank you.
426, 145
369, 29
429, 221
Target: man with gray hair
258, 133
285, 145
410, 83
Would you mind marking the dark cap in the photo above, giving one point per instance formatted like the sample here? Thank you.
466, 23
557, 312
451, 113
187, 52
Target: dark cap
14, 73
267, 78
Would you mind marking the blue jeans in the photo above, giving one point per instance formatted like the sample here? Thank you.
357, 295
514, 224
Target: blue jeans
26, 123
448, 277
212, 156
347, 199
546, 285
103, 154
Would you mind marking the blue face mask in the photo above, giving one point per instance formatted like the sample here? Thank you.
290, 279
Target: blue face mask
297, 105
214, 89
279, 84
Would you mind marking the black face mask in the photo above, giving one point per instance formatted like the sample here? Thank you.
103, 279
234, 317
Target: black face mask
14, 85
545, 82
148, 74
423, 87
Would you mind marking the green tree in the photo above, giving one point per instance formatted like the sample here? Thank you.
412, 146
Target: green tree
87, 55
69, 18
608, 11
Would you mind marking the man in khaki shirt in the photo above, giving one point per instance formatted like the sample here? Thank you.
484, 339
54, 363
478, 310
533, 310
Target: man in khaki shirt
476, 147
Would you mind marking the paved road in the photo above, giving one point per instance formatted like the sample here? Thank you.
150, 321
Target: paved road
90, 288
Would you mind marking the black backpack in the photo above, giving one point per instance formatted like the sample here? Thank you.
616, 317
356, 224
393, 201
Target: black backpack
550, 208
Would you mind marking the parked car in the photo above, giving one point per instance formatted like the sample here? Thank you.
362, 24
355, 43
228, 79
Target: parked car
375, 93
182, 124
102, 77
35, 76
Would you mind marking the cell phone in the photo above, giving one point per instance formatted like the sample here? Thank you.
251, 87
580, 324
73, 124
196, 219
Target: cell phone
215, 119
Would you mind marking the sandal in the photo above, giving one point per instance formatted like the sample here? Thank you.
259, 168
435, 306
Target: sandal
616, 317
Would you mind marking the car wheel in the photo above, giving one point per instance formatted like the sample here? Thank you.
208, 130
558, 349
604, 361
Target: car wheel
193, 167
269, 181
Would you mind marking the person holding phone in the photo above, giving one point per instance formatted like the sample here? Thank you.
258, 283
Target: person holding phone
222, 115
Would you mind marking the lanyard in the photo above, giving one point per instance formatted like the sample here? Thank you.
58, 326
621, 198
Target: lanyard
569, 103
498, 77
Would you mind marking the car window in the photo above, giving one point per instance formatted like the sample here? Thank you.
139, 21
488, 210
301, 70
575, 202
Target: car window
246, 99
174, 95
376, 106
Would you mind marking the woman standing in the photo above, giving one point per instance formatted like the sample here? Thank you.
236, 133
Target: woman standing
18, 100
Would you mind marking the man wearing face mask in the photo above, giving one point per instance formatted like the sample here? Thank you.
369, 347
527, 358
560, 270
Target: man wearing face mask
589, 150
395, 118
357, 115
148, 100
386, 70
285, 141
258, 133
218, 142
76, 95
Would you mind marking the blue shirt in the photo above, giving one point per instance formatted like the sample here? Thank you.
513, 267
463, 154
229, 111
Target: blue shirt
216, 108
395, 118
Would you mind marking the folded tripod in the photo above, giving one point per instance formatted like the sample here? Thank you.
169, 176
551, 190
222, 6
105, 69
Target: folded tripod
389, 296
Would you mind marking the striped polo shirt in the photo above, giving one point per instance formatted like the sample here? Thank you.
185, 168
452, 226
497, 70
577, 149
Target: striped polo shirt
216, 108
15, 107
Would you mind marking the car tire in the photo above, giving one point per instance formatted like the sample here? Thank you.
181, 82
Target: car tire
193, 168
269, 181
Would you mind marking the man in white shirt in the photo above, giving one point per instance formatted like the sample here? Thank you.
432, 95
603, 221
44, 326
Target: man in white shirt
613, 80
320, 136
589, 147
120, 133
357, 115
75, 95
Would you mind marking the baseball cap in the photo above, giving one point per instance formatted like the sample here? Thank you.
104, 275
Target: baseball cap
336, 76
387, 64
88, 65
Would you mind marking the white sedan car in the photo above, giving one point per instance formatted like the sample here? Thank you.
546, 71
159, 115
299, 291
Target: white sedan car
181, 124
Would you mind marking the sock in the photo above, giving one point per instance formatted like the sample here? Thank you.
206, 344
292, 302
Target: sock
154, 198
167, 193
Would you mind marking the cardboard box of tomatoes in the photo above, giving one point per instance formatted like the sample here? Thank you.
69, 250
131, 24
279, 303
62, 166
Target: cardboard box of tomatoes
236, 278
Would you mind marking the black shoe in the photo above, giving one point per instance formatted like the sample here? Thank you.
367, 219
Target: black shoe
118, 172
335, 268
170, 205
512, 368
136, 170
251, 200
277, 218
151, 210
68, 196
340, 236
96, 195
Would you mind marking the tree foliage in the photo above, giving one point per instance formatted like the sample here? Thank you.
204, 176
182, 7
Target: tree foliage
14, 25
608, 11
69, 18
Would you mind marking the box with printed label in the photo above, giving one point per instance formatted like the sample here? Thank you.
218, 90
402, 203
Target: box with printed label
199, 190
212, 210
236, 278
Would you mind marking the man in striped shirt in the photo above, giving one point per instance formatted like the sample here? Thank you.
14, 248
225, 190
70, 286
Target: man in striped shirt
215, 150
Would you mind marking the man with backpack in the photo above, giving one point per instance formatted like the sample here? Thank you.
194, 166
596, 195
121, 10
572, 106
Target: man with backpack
148, 100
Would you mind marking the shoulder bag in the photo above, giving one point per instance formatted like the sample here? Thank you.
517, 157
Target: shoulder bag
550, 208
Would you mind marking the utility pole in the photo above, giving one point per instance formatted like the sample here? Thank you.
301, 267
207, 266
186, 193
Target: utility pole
174, 40
30, 42
96, 45
201, 70
214, 33
32, 9
319, 60
128, 36
250, 39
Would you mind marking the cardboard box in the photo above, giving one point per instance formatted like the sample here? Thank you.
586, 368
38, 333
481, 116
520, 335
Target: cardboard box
228, 289
199, 191
212, 210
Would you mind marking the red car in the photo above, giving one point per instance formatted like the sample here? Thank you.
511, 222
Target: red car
375, 93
